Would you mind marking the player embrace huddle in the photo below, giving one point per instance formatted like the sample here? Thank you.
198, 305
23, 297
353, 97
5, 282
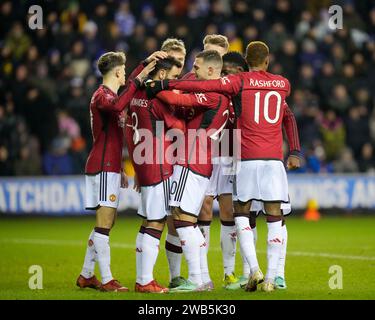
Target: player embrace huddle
224, 124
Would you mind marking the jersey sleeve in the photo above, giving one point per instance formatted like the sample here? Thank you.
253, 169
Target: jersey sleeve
110, 103
227, 85
137, 71
291, 130
187, 100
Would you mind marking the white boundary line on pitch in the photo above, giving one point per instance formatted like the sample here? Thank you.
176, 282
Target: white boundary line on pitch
131, 246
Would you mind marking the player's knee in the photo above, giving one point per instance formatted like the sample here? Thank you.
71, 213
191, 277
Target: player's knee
241, 209
206, 210
158, 225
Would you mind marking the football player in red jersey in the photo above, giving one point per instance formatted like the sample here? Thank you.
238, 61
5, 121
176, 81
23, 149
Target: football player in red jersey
153, 170
260, 106
104, 174
193, 170
174, 48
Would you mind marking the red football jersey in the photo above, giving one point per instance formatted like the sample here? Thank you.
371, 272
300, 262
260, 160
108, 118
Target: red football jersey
106, 121
146, 140
260, 107
210, 118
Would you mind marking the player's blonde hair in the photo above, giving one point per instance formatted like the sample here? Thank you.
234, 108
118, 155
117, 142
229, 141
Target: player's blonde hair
256, 53
110, 60
173, 44
217, 40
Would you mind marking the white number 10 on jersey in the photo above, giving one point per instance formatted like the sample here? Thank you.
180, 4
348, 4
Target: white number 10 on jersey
266, 107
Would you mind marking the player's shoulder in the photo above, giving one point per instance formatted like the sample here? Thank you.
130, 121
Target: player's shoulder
280, 78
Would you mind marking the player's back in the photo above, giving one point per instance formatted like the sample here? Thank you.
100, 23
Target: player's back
259, 108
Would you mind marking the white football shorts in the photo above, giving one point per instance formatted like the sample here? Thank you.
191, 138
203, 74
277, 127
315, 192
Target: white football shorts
221, 181
188, 190
261, 180
102, 190
154, 204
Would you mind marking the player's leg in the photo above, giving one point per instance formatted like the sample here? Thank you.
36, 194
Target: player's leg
203, 233
138, 251
186, 228
154, 200
274, 242
228, 240
245, 265
205, 218
253, 225
150, 251
87, 277
280, 274
105, 217
246, 239
174, 255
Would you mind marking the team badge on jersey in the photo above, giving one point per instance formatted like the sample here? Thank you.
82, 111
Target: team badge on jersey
112, 198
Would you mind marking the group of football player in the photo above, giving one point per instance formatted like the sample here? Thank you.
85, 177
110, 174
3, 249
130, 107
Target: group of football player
214, 133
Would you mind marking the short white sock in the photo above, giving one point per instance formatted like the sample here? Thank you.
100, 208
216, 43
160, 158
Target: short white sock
89, 263
206, 234
246, 239
274, 240
203, 257
174, 258
138, 256
281, 265
191, 247
150, 251
103, 252
228, 242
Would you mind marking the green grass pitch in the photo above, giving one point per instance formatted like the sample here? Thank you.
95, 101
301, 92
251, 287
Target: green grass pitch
58, 246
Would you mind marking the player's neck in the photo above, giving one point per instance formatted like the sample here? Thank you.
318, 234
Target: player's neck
112, 84
258, 69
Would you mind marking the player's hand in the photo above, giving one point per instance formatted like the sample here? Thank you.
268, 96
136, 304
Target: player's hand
293, 162
124, 180
154, 87
136, 186
157, 55
144, 73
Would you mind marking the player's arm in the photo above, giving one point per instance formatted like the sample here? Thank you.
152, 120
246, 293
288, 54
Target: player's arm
186, 100
291, 130
107, 102
230, 85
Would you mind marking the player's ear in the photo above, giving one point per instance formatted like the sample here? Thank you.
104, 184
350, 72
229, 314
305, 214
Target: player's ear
117, 72
162, 74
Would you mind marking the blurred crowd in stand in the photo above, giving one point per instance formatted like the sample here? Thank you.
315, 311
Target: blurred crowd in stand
47, 76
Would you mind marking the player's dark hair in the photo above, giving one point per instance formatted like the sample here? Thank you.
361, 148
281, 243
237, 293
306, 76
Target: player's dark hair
110, 60
165, 64
210, 56
235, 58
256, 53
